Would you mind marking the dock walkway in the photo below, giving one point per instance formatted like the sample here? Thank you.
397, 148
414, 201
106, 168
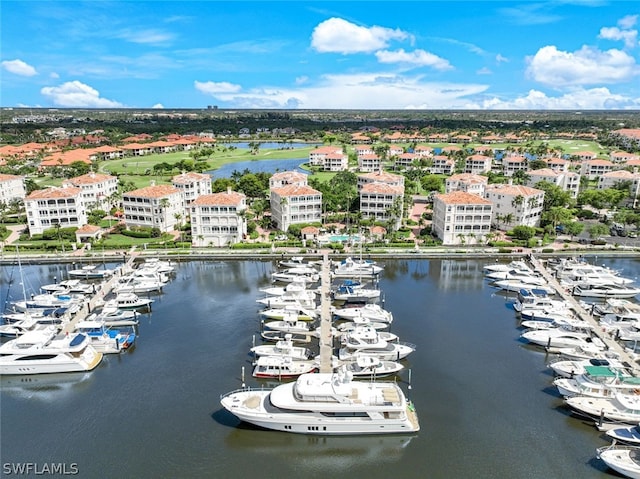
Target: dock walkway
598, 331
326, 338
71, 320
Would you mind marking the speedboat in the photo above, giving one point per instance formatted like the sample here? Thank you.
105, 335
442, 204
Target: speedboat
626, 435
371, 367
527, 275
105, 339
349, 294
39, 352
326, 404
50, 301
351, 268
560, 337
622, 459
135, 284
305, 298
91, 271
604, 290
290, 313
282, 367
69, 286
275, 336
365, 336
516, 264
390, 352
290, 325
516, 285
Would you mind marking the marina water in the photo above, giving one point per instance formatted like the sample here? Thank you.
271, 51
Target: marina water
485, 400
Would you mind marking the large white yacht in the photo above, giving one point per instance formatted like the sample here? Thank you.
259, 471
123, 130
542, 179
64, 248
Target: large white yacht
328, 404
38, 352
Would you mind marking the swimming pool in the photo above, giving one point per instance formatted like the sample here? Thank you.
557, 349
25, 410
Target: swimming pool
344, 238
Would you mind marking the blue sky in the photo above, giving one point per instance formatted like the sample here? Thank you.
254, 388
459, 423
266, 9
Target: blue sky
550, 55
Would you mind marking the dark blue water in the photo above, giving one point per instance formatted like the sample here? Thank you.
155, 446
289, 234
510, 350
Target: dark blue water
270, 145
262, 166
485, 402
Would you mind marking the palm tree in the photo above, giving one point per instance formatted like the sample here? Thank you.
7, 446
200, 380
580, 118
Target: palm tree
164, 204
463, 238
178, 217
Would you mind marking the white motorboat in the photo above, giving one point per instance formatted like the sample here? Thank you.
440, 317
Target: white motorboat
623, 408
303, 297
295, 262
559, 321
326, 404
365, 336
561, 337
50, 301
516, 264
282, 348
569, 368
18, 328
290, 313
352, 268
622, 459
520, 284
625, 435
128, 301
594, 348
345, 327
351, 294
290, 325
298, 338
282, 367
158, 265
604, 290
371, 367
295, 287
527, 275
40, 352
69, 286
598, 381
135, 284
108, 339
391, 352
91, 271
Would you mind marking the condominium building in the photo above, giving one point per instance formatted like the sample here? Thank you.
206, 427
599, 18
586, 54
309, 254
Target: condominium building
295, 204
97, 189
217, 219
329, 158
284, 178
381, 201
192, 185
478, 164
567, 180
51, 206
461, 218
155, 206
380, 176
515, 205
11, 188
467, 182
592, 169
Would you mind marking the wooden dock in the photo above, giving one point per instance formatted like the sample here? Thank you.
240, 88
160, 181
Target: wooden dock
70, 320
598, 331
326, 338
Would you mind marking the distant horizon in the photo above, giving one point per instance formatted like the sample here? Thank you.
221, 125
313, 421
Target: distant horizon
506, 55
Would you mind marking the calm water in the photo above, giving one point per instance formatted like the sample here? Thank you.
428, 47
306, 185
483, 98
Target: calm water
485, 401
262, 166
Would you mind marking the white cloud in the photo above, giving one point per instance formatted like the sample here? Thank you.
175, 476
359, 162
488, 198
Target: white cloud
628, 21
18, 67
215, 88
158, 106
340, 36
54, 75
301, 80
586, 66
630, 37
418, 58
358, 91
484, 71
501, 59
149, 36
581, 99
77, 94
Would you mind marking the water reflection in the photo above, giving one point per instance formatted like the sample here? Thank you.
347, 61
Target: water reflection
326, 454
45, 387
